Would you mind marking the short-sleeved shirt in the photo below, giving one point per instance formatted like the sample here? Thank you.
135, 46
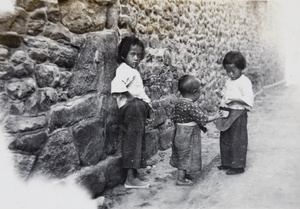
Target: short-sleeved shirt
186, 111
240, 88
128, 79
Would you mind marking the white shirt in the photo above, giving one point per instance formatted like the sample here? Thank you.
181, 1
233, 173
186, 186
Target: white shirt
128, 79
240, 88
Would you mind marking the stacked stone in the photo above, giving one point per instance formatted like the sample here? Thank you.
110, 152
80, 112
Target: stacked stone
57, 59
55, 95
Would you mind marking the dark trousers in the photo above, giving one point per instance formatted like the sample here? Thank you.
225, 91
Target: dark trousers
234, 142
133, 116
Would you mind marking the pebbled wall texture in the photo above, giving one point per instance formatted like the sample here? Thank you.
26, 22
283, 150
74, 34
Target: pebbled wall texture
58, 57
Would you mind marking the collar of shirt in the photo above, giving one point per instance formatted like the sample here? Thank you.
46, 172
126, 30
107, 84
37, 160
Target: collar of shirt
187, 99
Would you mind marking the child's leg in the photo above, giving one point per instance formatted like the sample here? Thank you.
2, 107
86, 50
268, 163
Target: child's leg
130, 174
235, 148
182, 180
181, 175
135, 115
132, 143
225, 149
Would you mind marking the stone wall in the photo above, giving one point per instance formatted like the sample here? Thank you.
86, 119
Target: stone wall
57, 59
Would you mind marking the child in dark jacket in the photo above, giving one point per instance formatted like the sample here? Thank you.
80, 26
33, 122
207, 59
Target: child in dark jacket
188, 119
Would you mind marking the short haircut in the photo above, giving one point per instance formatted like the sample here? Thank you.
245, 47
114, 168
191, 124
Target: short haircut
125, 45
235, 57
187, 84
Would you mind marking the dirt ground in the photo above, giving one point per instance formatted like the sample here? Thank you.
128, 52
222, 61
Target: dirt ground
272, 175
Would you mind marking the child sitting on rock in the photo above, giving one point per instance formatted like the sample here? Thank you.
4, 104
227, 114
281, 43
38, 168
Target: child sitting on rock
189, 120
134, 105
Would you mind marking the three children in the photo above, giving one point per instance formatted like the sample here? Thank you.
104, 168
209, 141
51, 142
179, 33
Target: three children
134, 105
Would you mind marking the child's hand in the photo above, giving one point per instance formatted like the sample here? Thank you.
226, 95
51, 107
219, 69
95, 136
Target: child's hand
219, 92
129, 97
218, 115
228, 101
223, 113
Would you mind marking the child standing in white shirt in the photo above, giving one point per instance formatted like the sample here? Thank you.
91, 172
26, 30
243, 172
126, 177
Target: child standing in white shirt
238, 100
128, 89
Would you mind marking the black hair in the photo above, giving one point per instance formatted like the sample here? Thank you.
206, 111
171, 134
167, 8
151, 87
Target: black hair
235, 57
187, 84
125, 45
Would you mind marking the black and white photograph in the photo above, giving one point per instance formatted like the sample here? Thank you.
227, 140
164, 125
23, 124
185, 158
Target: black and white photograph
149, 104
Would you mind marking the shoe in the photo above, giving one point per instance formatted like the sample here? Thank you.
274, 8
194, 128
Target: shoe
223, 167
234, 171
189, 176
142, 177
185, 182
136, 184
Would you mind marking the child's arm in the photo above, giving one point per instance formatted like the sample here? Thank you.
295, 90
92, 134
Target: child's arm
216, 116
121, 81
220, 92
246, 99
201, 119
127, 94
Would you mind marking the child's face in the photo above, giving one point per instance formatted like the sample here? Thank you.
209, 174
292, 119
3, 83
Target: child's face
134, 56
232, 71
